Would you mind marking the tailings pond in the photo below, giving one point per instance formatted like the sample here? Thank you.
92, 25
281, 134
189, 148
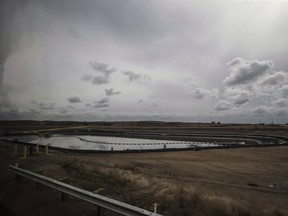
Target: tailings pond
102, 143
145, 141
110, 143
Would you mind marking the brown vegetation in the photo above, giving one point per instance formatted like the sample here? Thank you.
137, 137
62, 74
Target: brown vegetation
209, 182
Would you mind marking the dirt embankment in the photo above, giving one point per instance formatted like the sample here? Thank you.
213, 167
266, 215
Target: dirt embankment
142, 126
248, 181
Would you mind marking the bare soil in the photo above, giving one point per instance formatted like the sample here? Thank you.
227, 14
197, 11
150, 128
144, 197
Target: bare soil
246, 181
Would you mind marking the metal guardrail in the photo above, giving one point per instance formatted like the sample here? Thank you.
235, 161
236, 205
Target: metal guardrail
102, 201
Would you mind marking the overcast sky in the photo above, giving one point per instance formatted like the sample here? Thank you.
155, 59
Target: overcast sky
93, 60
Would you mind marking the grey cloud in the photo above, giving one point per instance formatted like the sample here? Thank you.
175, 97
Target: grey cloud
102, 103
242, 98
74, 100
34, 112
110, 92
235, 96
275, 79
66, 109
63, 110
280, 102
234, 62
4, 90
11, 114
87, 77
261, 110
282, 112
245, 71
95, 79
73, 32
132, 76
284, 90
102, 67
44, 106
14, 110
140, 101
201, 93
47, 106
1, 75
100, 80
146, 35
223, 105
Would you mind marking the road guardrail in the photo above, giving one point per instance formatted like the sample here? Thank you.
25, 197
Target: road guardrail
99, 200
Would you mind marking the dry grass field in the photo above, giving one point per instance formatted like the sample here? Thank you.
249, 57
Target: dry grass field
247, 181
218, 182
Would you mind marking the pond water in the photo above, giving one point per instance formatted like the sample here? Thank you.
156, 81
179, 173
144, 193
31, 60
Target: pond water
102, 143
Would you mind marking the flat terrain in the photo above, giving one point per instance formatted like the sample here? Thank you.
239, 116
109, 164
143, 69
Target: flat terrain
142, 126
246, 181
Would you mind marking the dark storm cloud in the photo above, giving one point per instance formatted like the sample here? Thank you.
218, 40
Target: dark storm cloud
110, 92
132, 76
245, 71
74, 100
223, 105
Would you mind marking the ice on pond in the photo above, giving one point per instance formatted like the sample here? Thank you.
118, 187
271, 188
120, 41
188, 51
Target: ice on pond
105, 143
